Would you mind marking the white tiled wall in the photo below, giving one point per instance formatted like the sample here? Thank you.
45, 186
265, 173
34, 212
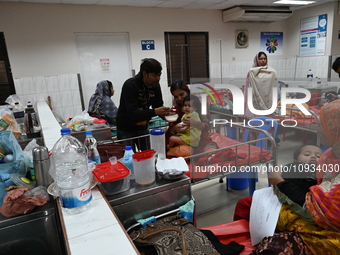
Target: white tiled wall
63, 90
287, 69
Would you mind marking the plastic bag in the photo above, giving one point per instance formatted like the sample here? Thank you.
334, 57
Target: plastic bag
12, 99
16, 166
8, 122
28, 151
84, 118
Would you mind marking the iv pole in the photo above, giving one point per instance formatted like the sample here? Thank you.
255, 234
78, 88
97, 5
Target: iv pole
220, 40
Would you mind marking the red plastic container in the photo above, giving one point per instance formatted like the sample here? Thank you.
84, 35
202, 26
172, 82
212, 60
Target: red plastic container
112, 179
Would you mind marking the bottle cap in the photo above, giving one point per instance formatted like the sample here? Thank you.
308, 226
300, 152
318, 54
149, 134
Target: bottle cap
88, 133
157, 131
128, 148
65, 131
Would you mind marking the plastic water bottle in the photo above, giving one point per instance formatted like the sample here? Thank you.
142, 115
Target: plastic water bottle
157, 141
318, 83
310, 78
91, 147
19, 115
127, 160
72, 177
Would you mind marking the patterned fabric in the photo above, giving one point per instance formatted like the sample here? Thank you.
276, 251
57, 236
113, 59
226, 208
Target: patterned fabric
193, 135
172, 234
102, 104
323, 200
317, 239
261, 79
283, 243
330, 120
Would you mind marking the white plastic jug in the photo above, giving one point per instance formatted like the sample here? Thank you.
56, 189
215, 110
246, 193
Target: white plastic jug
144, 167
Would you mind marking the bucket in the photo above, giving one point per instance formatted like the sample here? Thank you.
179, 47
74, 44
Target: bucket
144, 167
238, 181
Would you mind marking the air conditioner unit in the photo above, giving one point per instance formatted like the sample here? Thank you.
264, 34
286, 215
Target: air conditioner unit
255, 14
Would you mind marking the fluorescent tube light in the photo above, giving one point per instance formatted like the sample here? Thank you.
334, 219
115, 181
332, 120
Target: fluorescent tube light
294, 2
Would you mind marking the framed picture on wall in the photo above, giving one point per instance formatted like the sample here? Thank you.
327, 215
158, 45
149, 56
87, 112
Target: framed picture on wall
241, 39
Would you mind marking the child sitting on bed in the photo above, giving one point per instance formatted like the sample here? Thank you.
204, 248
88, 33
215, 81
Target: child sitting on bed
293, 186
192, 108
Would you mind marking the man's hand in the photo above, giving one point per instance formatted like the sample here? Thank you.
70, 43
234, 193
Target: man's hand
163, 111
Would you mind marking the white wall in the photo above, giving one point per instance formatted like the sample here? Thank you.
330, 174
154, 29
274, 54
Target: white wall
41, 43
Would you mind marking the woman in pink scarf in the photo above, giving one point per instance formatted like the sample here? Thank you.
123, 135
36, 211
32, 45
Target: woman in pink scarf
323, 200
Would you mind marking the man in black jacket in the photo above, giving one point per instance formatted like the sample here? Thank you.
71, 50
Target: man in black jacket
139, 93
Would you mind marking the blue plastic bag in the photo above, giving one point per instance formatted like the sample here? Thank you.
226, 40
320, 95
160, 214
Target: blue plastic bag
16, 166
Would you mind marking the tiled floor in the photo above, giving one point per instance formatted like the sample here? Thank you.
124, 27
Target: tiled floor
215, 205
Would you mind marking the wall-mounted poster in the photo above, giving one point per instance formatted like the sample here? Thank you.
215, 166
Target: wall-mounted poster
272, 43
313, 36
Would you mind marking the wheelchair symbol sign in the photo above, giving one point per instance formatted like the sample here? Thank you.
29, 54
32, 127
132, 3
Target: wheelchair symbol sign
148, 44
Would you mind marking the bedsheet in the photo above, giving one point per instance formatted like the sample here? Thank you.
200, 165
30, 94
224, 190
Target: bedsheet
246, 154
237, 231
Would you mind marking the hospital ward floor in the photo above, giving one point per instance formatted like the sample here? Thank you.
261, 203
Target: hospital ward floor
215, 205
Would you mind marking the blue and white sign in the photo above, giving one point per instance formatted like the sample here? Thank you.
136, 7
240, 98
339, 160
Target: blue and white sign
313, 36
148, 44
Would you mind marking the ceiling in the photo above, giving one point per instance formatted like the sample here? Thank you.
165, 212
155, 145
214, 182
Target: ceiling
182, 4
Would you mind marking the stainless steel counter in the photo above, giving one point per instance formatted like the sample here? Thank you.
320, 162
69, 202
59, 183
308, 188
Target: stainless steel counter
140, 202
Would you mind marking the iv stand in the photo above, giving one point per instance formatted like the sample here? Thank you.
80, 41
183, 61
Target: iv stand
220, 40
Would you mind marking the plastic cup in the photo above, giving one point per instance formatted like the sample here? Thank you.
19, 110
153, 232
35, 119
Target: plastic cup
113, 160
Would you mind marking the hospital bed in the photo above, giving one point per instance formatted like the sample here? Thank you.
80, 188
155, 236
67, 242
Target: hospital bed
231, 156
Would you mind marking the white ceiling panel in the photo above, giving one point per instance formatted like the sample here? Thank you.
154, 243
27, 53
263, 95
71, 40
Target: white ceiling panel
184, 4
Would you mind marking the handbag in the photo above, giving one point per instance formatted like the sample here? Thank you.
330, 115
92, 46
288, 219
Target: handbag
107, 150
173, 235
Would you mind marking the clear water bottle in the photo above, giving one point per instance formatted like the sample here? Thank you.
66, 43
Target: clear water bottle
91, 147
127, 160
19, 115
72, 177
310, 78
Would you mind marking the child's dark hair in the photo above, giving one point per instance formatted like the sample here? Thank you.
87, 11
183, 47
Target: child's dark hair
298, 150
196, 103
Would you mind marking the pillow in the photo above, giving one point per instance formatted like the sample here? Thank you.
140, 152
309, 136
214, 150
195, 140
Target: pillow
180, 151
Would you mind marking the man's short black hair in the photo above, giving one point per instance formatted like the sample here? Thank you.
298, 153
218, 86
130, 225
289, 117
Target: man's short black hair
150, 65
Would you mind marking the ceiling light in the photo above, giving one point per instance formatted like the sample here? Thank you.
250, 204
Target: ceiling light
294, 2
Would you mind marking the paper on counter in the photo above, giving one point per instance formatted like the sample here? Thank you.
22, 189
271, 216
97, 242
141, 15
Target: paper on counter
264, 213
172, 166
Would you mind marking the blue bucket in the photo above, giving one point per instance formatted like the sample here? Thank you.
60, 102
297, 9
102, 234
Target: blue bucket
238, 181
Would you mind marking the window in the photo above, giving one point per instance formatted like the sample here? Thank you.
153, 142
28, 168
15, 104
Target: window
187, 56
6, 79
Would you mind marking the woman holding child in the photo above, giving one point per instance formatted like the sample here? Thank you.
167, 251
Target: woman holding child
180, 90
